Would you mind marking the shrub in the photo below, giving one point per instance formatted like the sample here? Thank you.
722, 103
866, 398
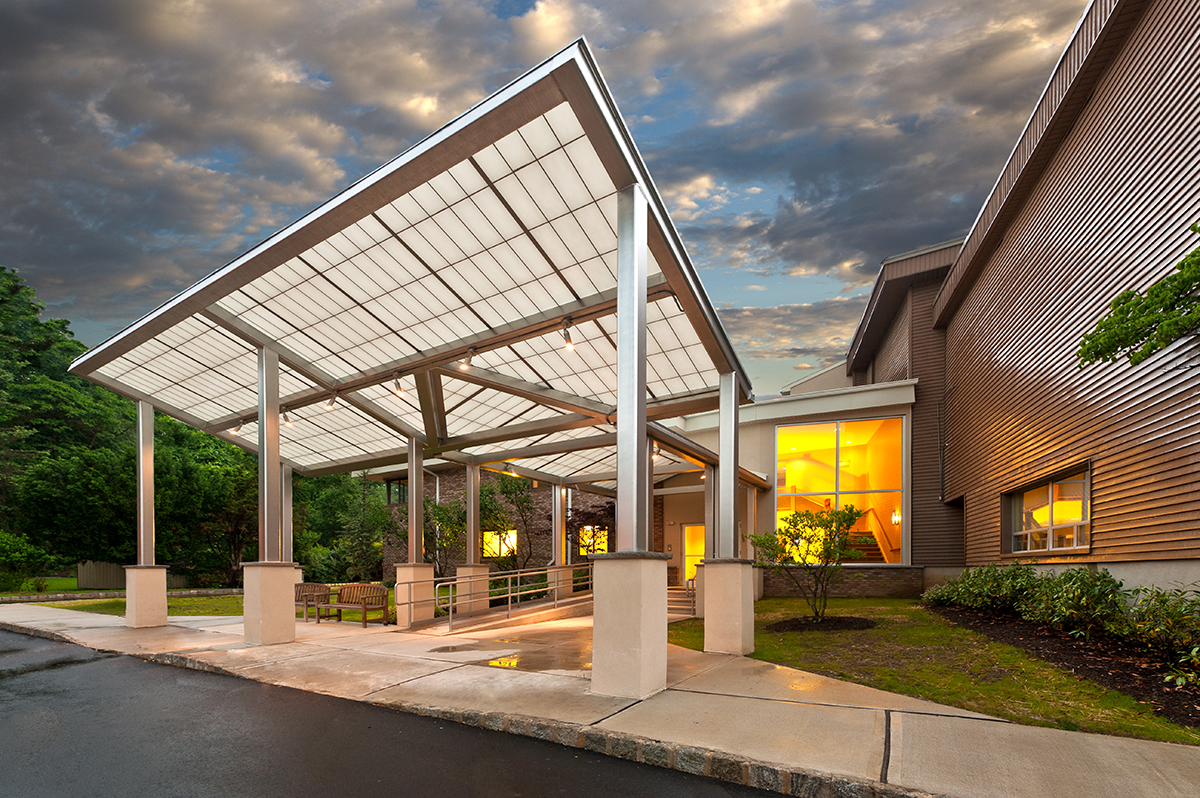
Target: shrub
1077, 601
1186, 670
809, 549
992, 588
19, 560
1166, 621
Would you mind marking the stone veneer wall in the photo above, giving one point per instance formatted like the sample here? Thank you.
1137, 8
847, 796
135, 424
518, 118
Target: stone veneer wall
890, 581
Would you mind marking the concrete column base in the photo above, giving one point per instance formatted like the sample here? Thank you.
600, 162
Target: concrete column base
729, 606
269, 613
700, 590
299, 573
759, 585
471, 596
414, 583
629, 630
145, 596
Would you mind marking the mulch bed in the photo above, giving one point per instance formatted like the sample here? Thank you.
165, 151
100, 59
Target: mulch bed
832, 623
1108, 661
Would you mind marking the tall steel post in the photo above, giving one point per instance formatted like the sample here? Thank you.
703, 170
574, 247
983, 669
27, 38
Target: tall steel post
632, 477
416, 502
727, 509
145, 483
270, 528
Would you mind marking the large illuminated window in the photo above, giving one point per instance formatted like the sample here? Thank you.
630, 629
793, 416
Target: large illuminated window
842, 463
1053, 515
499, 544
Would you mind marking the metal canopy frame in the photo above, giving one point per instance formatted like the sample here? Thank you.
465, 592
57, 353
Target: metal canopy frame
430, 303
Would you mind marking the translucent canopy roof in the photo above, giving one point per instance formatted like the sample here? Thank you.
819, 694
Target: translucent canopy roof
433, 301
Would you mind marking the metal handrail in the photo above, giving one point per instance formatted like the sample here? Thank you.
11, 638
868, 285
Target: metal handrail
580, 580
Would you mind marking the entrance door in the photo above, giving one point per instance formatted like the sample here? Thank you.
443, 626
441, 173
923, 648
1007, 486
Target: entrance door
693, 549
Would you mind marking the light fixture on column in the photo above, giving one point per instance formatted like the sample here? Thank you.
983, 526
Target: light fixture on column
287, 422
465, 363
396, 389
654, 451
896, 517
567, 342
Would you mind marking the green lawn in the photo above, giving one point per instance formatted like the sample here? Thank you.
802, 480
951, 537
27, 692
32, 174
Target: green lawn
54, 584
914, 652
193, 605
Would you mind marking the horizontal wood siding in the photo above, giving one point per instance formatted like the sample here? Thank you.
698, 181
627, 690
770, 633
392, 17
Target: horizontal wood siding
1110, 212
1101, 34
936, 528
891, 363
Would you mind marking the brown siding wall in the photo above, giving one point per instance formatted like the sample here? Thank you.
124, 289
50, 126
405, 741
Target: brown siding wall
936, 528
891, 362
1111, 212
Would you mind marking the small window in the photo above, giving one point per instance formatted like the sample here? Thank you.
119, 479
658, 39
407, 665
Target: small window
593, 540
499, 544
1051, 516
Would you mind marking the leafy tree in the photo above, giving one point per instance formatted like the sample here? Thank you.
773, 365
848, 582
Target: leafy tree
365, 525
1138, 325
517, 495
809, 550
446, 526
589, 528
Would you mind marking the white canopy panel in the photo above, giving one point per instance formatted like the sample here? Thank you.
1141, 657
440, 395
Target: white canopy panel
457, 272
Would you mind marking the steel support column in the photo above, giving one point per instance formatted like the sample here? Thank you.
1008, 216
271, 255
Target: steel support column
711, 513
727, 504
145, 483
472, 497
416, 502
632, 471
270, 528
285, 512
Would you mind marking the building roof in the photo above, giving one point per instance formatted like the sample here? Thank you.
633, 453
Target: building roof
896, 274
431, 300
1102, 32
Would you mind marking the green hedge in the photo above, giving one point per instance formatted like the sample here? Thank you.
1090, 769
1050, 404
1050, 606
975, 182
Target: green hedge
1082, 602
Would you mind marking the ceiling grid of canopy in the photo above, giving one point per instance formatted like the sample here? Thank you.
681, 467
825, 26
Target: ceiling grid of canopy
462, 296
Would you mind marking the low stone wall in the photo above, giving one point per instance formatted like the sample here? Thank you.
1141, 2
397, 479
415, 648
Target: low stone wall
865, 581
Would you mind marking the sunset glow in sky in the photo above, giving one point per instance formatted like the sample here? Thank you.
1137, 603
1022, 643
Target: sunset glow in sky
145, 143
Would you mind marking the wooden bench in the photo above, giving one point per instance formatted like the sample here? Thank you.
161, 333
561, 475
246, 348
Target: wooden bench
309, 594
357, 597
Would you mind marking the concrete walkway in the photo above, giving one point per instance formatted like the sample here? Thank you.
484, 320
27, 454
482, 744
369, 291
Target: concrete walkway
728, 717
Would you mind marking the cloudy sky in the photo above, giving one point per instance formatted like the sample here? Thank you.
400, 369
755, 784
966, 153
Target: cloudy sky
144, 143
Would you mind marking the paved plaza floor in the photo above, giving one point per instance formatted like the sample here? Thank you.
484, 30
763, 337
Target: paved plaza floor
721, 715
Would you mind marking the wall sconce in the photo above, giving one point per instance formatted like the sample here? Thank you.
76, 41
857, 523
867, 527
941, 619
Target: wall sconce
896, 517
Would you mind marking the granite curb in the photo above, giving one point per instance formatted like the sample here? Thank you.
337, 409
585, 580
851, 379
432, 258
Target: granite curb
713, 763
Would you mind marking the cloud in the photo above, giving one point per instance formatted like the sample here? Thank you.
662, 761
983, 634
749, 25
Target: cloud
813, 332
143, 143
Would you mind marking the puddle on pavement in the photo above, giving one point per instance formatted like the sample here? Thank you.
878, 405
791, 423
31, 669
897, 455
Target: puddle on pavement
563, 658
452, 649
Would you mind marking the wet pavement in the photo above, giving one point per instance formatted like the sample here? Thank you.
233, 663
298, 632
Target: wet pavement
744, 720
75, 721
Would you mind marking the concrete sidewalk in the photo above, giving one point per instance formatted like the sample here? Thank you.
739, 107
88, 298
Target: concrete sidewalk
728, 717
